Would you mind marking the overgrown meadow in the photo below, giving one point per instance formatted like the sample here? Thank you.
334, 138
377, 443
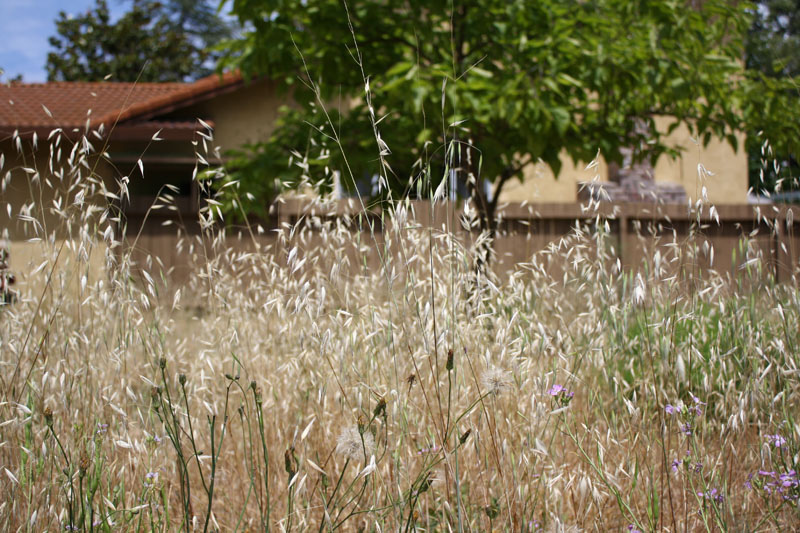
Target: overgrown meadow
288, 386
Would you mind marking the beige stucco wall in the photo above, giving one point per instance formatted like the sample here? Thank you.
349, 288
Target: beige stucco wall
55, 203
34, 246
724, 174
540, 185
243, 116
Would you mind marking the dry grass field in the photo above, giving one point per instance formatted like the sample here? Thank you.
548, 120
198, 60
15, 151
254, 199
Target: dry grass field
290, 389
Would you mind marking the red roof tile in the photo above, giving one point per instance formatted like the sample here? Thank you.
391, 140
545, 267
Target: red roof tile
25, 106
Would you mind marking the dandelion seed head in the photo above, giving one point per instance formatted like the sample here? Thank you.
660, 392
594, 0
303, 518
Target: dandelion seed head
350, 444
495, 380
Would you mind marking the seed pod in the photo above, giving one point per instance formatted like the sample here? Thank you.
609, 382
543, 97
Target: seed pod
380, 409
287, 463
83, 464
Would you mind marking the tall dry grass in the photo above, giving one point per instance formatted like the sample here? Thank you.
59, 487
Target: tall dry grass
289, 387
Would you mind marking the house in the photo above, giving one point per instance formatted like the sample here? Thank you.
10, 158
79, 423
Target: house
120, 120
124, 118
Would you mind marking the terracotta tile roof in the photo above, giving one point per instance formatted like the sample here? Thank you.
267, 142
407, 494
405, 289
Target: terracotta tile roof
22, 105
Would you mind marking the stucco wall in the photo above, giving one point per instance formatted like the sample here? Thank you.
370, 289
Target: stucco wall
724, 174
243, 116
540, 185
726, 178
46, 197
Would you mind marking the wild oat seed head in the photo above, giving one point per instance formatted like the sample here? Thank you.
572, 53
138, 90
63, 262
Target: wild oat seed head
495, 380
349, 444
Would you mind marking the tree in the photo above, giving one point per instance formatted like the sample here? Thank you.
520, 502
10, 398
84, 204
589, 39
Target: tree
773, 39
480, 88
773, 49
153, 42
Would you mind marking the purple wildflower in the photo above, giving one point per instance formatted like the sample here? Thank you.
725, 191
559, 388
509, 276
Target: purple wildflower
633, 529
670, 409
432, 449
686, 428
698, 409
777, 440
712, 494
563, 394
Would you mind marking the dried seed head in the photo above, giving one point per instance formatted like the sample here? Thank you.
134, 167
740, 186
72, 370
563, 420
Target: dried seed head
355, 444
83, 465
287, 463
155, 394
48, 416
495, 380
380, 409
464, 436
182, 379
449, 364
162, 363
426, 484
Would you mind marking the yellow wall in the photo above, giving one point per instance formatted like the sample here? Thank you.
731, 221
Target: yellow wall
540, 185
726, 178
729, 182
243, 116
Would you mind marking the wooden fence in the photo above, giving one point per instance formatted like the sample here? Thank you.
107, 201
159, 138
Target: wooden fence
720, 236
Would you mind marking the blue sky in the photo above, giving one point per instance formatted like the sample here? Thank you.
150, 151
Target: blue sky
25, 26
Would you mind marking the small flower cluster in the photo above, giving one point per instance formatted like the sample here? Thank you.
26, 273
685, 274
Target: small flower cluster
696, 409
783, 481
776, 440
150, 479
786, 485
561, 394
696, 467
434, 448
713, 495
687, 413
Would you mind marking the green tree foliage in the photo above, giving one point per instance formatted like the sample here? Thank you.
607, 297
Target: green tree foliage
773, 40
154, 41
483, 87
773, 49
